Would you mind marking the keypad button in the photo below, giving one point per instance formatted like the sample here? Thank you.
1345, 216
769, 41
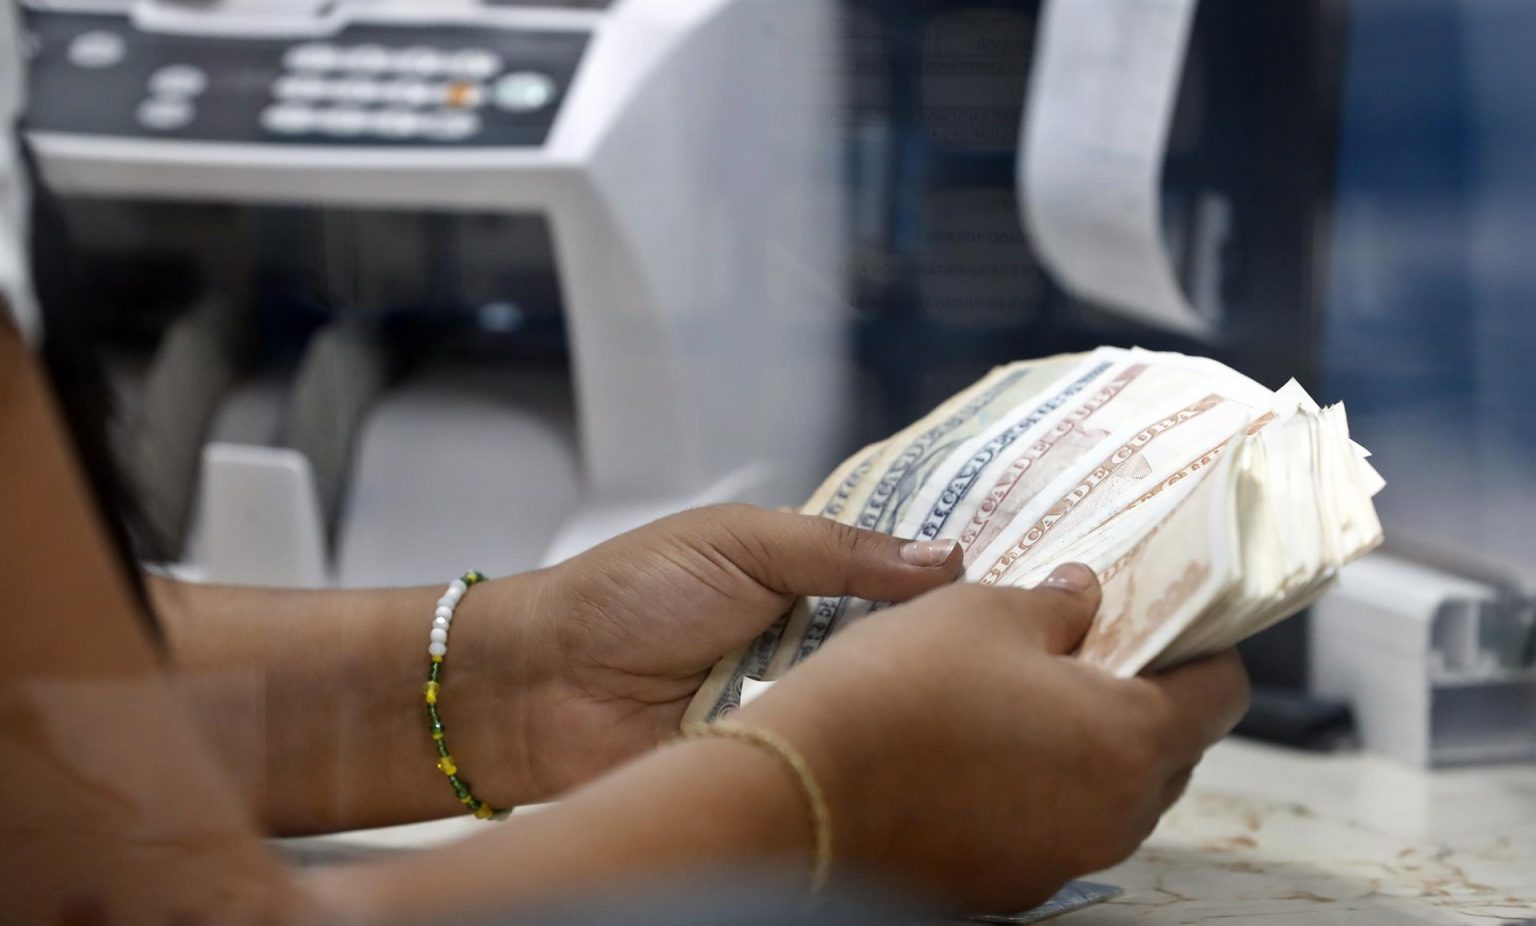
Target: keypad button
165, 115
394, 123
178, 80
357, 90
422, 61
313, 57
413, 93
398, 92
369, 59
301, 87
524, 91
97, 50
289, 119
464, 95
475, 64
343, 121
450, 125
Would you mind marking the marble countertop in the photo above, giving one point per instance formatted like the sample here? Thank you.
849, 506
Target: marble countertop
1276, 837
1279, 837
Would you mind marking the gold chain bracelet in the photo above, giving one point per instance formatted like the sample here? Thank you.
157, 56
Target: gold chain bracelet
790, 758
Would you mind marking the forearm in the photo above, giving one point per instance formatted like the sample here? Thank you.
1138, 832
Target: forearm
313, 699
697, 805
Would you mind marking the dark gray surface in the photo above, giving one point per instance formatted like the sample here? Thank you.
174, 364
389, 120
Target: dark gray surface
242, 72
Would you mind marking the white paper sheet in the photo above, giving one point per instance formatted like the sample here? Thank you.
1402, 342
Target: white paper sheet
1102, 94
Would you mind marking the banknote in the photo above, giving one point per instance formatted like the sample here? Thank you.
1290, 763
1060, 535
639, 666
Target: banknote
1077, 895
872, 489
1157, 580
909, 462
1210, 506
1149, 458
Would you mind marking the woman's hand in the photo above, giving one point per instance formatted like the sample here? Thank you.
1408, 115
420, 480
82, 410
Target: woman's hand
615, 642
963, 751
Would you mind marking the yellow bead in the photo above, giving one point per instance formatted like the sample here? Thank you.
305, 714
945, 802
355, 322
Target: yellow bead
466, 799
437, 734
447, 766
484, 812
437, 659
431, 689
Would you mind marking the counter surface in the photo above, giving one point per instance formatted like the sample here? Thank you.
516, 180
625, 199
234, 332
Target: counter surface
1275, 837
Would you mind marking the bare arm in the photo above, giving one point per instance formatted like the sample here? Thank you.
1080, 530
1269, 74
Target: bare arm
696, 805
313, 699
111, 808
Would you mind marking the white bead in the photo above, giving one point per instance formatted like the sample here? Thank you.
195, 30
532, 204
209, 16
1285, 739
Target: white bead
439, 634
442, 622
443, 611
438, 649
457, 587
452, 594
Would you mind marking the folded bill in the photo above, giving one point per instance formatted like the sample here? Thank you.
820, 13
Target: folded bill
1210, 506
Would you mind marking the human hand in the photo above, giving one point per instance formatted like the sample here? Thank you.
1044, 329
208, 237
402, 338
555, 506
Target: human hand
963, 751
615, 642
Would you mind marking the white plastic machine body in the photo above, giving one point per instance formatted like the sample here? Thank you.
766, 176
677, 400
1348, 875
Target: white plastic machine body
681, 150
1439, 669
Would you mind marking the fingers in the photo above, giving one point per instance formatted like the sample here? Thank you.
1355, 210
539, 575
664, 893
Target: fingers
796, 554
1054, 616
1063, 607
1206, 699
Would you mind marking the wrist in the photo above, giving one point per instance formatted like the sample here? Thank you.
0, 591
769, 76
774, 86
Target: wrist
847, 762
493, 677
754, 801
694, 806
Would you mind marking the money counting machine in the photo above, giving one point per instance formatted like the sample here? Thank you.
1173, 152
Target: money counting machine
651, 181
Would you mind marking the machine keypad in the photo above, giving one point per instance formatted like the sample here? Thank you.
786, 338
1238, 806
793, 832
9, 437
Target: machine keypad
418, 60
374, 84
365, 75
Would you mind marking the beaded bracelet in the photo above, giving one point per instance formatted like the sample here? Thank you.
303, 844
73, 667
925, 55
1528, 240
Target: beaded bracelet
442, 620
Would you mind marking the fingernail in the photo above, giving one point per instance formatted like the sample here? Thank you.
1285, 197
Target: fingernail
1070, 577
928, 553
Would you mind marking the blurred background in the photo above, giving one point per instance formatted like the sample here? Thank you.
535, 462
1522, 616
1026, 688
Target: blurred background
393, 286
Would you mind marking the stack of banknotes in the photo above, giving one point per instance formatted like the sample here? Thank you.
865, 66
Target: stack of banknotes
1210, 506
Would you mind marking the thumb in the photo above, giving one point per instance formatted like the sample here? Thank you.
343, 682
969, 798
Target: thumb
1058, 612
794, 554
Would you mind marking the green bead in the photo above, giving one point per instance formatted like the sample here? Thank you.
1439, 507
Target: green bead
437, 670
442, 748
432, 712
